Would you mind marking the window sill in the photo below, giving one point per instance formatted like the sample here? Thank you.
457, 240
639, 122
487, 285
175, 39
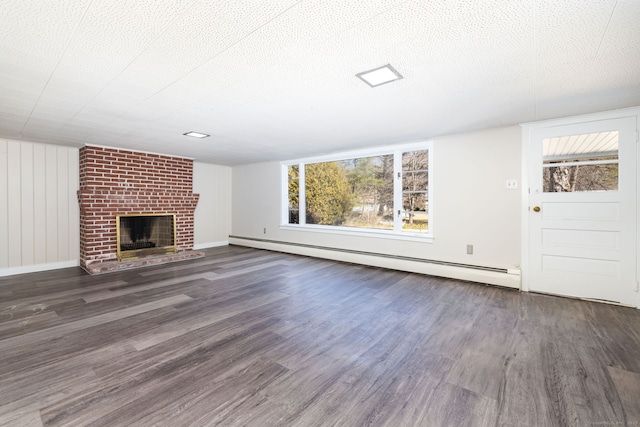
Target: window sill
352, 231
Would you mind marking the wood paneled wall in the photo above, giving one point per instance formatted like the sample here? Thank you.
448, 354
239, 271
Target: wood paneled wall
213, 213
38, 204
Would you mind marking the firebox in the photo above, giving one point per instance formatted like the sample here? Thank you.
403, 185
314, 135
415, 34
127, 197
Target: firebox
140, 235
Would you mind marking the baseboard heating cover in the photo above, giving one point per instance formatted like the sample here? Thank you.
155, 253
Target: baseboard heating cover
474, 273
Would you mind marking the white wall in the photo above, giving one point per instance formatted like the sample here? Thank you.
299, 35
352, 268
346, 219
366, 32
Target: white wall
471, 206
39, 217
213, 212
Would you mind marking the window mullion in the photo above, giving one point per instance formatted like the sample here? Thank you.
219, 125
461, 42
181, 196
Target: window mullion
582, 163
284, 202
397, 191
302, 202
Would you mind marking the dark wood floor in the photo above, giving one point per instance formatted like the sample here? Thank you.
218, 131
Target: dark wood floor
250, 337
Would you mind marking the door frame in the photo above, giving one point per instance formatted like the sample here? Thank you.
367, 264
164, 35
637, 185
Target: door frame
527, 131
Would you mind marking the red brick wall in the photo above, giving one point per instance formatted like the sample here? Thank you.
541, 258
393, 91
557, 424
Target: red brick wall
115, 182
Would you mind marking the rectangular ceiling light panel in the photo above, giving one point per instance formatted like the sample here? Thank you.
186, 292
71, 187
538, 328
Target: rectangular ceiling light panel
196, 134
379, 76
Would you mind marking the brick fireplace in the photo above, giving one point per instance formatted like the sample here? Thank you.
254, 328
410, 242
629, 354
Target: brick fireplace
121, 182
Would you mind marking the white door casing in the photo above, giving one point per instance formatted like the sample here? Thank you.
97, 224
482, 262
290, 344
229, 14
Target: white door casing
582, 244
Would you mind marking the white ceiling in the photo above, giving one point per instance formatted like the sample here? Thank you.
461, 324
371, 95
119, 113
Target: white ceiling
276, 79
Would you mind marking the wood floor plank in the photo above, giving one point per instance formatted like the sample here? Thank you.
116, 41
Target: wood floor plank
214, 264
23, 325
221, 397
30, 419
168, 332
579, 390
256, 338
146, 391
378, 388
627, 385
449, 405
23, 409
12, 308
120, 291
481, 373
60, 330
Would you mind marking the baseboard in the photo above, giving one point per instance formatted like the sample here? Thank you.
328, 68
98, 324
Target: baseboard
200, 246
486, 275
38, 267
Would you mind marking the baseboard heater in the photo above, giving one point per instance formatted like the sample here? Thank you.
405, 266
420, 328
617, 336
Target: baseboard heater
376, 254
454, 270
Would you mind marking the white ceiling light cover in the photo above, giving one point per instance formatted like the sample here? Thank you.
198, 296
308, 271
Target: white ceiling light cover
379, 76
196, 134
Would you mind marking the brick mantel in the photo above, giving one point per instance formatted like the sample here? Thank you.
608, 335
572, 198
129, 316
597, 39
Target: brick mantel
116, 182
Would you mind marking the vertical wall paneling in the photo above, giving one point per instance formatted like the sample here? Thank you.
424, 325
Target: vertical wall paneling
63, 204
39, 205
14, 234
27, 213
213, 213
4, 205
51, 198
225, 190
217, 191
39, 212
74, 208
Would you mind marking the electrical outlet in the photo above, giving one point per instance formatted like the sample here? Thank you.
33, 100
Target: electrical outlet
469, 249
512, 184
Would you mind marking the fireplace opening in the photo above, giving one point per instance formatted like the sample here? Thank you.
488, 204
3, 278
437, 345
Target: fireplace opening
141, 235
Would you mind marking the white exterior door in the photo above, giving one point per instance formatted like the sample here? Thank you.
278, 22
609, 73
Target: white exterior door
582, 215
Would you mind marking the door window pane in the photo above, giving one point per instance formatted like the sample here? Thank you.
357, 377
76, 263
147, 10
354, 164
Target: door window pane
586, 162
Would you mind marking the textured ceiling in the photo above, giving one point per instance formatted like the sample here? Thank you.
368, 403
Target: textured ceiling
276, 79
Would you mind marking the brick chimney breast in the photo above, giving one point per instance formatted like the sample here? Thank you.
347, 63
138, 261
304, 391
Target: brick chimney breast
117, 182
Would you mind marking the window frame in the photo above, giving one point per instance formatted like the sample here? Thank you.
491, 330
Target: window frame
396, 233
